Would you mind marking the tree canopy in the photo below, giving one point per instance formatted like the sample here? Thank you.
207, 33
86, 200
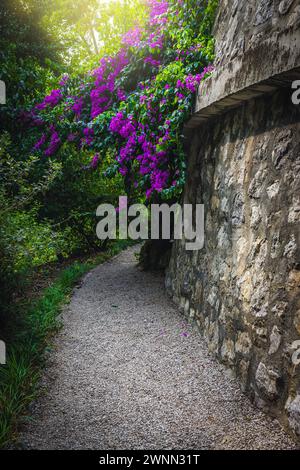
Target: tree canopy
98, 93
133, 105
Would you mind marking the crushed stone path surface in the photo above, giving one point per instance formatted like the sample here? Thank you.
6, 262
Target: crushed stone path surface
126, 372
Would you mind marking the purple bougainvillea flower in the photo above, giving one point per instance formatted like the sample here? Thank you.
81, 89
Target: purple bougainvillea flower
95, 161
151, 61
51, 100
54, 143
64, 80
40, 142
184, 334
141, 126
149, 193
157, 10
77, 106
121, 95
71, 137
88, 133
132, 37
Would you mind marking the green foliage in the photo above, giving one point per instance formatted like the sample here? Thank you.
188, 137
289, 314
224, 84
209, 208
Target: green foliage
91, 28
25, 241
71, 201
48, 204
47, 211
135, 103
30, 60
19, 186
40, 198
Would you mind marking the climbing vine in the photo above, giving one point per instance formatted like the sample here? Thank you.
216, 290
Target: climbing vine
127, 115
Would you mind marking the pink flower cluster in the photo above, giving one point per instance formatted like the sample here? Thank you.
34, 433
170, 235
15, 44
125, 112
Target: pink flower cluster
64, 80
192, 82
54, 142
157, 11
151, 61
95, 161
133, 37
88, 133
124, 126
155, 40
104, 85
182, 54
40, 142
145, 129
77, 107
51, 100
141, 146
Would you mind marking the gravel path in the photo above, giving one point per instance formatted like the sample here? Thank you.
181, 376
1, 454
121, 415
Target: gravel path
127, 373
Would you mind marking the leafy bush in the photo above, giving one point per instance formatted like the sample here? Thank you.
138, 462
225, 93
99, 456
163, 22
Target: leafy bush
47, 211
25, 241
135, 103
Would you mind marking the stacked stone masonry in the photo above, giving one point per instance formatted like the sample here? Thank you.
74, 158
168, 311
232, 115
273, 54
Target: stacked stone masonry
243, 287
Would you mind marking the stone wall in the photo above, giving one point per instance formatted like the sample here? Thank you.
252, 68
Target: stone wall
243, 287
242, 26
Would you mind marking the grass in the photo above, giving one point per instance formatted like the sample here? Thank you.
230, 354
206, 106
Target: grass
31, 338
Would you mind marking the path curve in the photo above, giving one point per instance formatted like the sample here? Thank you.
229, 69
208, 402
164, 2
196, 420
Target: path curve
126, 373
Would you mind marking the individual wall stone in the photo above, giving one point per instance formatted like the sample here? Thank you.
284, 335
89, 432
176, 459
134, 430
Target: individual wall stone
266, 381
293, 409
275, 340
